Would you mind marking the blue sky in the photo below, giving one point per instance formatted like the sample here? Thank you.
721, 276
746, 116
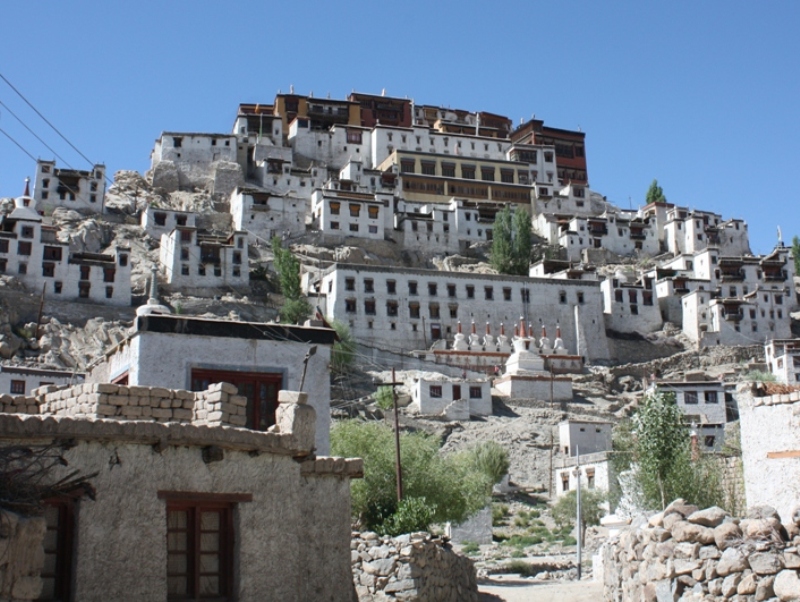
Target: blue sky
701, 95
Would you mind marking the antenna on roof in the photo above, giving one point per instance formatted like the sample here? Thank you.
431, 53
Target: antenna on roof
291, 88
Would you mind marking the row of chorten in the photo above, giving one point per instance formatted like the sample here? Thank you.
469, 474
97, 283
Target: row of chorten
523, 334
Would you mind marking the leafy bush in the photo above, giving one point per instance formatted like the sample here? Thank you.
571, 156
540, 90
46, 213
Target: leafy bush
437, 487
470, 547
384, 398
525, 569
565, 510
499, 514
759, 376
491, 459
343, 353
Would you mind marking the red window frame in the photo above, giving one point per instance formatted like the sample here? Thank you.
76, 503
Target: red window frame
260, 388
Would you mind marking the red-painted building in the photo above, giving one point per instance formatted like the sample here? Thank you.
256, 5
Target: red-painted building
570, 148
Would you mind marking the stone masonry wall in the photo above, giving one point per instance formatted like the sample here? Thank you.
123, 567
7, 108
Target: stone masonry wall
21, 557
415, 567
219, 405
688, 554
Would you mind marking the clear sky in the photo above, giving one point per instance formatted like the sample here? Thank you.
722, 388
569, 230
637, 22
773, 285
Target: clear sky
701, 95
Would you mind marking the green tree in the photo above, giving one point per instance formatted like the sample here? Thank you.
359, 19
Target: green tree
384, 398
437, 487
511, 241
659, 452
565, 509
796, 254
343, 353
491, 459
655, 194
295, 308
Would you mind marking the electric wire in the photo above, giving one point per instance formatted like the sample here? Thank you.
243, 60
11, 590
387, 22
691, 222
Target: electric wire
35, 135
55, 129
22, 148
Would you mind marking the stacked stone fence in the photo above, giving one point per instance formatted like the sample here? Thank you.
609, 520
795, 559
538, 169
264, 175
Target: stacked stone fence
219, 405
414, 568
685, 554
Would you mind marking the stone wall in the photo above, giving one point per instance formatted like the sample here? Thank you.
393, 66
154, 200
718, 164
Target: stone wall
21, 557
415, 567
704, 555
219, 405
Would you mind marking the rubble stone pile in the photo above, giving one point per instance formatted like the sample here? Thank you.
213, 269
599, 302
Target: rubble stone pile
413, 567
686, 554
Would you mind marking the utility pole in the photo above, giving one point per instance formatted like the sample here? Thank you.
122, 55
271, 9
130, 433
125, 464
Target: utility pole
397, 465
579, 521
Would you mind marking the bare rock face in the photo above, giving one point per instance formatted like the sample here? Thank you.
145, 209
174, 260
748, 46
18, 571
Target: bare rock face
164, 175
765, 563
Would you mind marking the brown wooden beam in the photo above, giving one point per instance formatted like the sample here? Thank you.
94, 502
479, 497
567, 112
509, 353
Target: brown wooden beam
784, 454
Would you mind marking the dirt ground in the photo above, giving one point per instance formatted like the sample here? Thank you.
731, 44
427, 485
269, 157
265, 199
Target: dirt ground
510, 588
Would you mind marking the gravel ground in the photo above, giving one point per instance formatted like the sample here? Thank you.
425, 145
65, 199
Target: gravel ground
511, 588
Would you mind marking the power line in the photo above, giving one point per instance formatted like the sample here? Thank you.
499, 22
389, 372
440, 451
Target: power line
22, 148
59, 157
55, 129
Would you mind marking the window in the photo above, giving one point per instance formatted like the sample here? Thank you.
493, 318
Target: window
334, 206
507, 175
372, 210
449, 170
259, 388
200, 546
488, 293
453, 311
3, 246
412, 288
618, 296
59, 516
353, 227
369, 285
564, 481
237, 257
590, 478
184, 269
23, 248
349, 284
391, 308
85, 272
48, 270
391, 287
186, 236
690, 397
369, 307
159, 218
201, 270
428, 168
26, 232
407, 165
506, 293
580, 297
413, 310
432, 289
108, 274
18, 387
123, 260
23, 268
562, 297
83, 290
487, 174
57, 287
184, 253
435, 391
711, 396
451, 290
468, 172
470, 291
334, 225
710, 440
350, 306
475, 393
109, 292
237, 271
180, 220
525, 295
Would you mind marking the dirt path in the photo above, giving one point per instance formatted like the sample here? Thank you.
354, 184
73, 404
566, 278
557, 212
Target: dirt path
514, 589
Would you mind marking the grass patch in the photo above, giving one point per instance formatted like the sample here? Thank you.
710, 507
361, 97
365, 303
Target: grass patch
470, 548
523, 568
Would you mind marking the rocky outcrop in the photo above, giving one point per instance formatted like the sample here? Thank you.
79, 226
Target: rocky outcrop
415, 567
688, 554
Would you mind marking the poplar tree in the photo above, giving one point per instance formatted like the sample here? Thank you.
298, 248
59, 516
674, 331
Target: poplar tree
655, 194
295, 308
511, 241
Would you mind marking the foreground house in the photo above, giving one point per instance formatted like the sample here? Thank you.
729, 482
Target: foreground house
185, 504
